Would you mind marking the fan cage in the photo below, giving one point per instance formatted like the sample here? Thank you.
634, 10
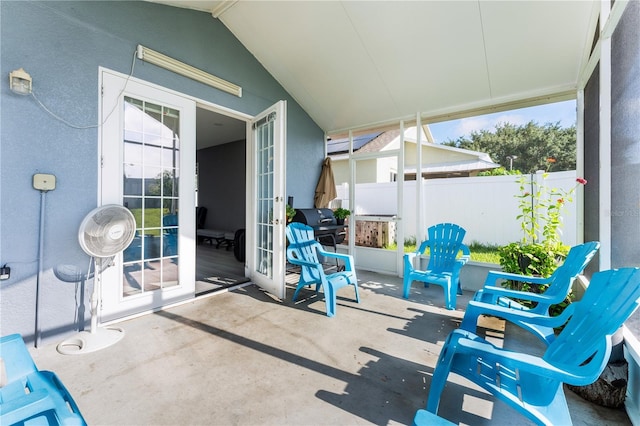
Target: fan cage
107, 230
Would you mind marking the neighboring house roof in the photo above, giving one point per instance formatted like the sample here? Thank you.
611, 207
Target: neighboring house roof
454, 167
370, 142
381, 142
338, 146
376, 142
483, 156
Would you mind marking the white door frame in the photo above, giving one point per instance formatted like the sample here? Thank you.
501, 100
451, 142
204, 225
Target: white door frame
266, 248
115, 87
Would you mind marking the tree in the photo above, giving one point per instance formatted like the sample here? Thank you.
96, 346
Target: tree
537, 147
167, 182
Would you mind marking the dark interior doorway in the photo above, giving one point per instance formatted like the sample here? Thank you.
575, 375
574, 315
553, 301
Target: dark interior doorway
221, 189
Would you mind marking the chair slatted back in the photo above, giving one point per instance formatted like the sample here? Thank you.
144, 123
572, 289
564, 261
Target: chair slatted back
444, 241
302, 245
610, 299
577, 259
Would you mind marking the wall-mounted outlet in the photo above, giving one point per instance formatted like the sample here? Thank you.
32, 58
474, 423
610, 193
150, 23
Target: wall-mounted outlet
44, 182
5, 273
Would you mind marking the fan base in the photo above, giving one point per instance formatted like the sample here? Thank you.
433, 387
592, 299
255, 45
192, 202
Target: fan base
86, 342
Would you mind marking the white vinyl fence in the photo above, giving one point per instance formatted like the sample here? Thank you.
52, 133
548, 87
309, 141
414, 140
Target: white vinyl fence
485, 206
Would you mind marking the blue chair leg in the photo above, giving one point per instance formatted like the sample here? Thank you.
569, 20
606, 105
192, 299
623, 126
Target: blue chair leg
450, 296
406, 286
330, 299
439, 379
295, 293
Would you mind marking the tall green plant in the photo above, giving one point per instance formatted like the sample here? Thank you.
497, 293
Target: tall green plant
531, 259
541, 209
540, 249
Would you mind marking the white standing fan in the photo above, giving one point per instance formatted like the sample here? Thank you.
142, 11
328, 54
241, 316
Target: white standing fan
104, 232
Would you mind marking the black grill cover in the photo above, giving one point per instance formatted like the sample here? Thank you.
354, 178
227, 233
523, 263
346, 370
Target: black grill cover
315, 217
324, 225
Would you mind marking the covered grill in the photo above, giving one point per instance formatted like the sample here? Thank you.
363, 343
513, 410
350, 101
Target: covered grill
324, 224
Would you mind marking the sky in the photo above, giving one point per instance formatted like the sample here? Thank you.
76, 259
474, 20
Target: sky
564, 112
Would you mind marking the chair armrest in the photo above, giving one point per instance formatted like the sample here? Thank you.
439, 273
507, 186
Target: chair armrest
462, 260
475, 346
423, 246
55, 381
300, 262
476, 308
27, 405
459, 263
409, 257
516, 294
494, 276
466, 255
411, 254
346, 258
408, 262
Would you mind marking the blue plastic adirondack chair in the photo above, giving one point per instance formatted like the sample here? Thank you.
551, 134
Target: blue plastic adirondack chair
499, 301
444, 243
170, 236
30, 394
427, 418
533, 385
303, 251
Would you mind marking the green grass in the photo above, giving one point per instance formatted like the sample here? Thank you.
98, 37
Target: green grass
479, 252
153, 219
484, 252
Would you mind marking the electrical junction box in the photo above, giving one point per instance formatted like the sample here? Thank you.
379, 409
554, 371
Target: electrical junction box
44, 182
5, 272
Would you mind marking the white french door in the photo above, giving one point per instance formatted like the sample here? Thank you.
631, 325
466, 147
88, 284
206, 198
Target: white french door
147, 149
266, 222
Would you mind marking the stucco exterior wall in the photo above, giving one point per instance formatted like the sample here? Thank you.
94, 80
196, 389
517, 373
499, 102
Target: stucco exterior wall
62, 45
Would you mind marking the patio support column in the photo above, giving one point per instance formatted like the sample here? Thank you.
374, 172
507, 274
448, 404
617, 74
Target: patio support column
605, 142
580, 165
400, 228
420, 222
352, 196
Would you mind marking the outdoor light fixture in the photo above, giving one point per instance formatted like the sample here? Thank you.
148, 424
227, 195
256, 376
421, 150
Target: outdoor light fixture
20, 82
166, 62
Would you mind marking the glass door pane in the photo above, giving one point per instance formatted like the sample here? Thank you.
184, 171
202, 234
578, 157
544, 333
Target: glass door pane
151, 146
264, 241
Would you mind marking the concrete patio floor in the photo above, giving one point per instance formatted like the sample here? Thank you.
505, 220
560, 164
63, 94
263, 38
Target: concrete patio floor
242, 357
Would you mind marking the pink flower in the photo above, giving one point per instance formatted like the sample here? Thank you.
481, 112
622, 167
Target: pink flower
581, 181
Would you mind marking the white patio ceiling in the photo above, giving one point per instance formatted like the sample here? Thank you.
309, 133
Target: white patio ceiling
357, 63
